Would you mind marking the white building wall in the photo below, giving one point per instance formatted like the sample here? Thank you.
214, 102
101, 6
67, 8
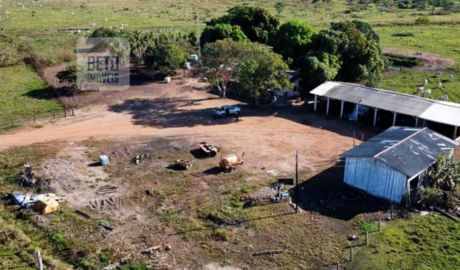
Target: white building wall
375, 178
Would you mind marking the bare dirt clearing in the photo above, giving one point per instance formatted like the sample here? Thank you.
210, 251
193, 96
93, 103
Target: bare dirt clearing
430, 61
197, 212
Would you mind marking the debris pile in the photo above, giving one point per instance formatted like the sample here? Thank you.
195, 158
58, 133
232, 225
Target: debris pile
139, 158
229, 162
106, 204
43, 203
107, 189
182, 164
209, 149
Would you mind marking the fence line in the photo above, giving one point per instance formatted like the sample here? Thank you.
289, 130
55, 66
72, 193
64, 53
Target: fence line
7, 122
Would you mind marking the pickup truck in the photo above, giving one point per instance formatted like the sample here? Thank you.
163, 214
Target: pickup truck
226, 110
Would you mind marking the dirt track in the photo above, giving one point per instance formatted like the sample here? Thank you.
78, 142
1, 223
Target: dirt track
176, 111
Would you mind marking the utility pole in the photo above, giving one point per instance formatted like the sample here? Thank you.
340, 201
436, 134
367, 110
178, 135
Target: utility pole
297, 181
38, 258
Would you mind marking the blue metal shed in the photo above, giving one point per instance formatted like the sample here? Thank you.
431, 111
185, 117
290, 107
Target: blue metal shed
385, 164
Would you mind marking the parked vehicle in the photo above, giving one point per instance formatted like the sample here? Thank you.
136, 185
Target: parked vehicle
226, 110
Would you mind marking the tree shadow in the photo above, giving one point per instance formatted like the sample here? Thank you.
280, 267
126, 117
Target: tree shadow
327, 194
42, 93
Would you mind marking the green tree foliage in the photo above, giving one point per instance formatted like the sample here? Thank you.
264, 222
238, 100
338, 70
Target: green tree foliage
445, 173
254, 65
222, 31
255, 22
318, 67
165, 58
279, 8
292, 39
352, 52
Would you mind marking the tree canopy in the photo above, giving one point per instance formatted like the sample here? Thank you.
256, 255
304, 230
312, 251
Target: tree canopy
254, 65
221, 31
350, 50
255, 22
292, 39
165, 58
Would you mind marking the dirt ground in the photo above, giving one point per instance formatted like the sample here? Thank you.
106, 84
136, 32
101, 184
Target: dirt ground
430, 61
156, 206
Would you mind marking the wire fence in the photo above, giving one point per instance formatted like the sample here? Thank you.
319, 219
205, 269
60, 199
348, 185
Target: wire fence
8, 122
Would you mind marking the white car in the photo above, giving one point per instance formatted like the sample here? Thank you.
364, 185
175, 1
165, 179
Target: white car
231, 110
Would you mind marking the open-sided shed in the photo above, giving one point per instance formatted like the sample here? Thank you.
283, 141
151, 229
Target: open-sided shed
385, 165
422, 109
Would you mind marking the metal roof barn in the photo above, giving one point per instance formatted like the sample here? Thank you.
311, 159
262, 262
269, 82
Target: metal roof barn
385, 164
447, 113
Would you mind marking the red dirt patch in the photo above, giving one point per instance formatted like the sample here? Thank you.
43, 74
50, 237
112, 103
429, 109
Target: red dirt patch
430, 61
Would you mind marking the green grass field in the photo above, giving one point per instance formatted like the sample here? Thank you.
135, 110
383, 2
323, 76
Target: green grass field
23, 92
430, 242
43, 26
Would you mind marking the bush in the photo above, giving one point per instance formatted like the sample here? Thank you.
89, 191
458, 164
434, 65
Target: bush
166, 59
430, 196
221, 234
422, 20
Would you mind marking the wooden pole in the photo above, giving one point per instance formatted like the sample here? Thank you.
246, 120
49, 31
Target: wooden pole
38, 258
416, 121
327, 107
351, 254
297, 181
357, 112
455, 132
394, 118
367, 238
379, 224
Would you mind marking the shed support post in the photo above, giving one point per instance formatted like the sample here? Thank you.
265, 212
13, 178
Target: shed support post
416, 121
394, 118
316, 102
327, 107
357, 111
341, 109
455, 132
375, 116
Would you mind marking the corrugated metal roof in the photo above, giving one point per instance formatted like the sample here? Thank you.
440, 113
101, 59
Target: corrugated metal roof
437, 111
407, 150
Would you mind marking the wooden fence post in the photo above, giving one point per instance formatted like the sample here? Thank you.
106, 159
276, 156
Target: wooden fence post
34, 118
379, 224
367, 238
54, 116
351, 254
38, 258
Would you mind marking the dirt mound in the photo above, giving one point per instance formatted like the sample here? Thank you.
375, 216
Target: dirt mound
430, 61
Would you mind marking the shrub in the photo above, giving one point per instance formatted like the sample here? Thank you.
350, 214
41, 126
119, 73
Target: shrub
422, 20
165, 58
221, 234
430, 196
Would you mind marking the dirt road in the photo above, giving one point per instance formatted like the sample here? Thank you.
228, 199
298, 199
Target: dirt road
179, 111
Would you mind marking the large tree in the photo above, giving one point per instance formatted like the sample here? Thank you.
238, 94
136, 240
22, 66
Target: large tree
255, 66
292, 39
221, 31
256, 23
165, 58
351, 49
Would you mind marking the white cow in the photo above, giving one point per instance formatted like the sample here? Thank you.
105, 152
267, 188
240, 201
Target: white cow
427, 92
420, 89
451, 76
439, 85
444, 98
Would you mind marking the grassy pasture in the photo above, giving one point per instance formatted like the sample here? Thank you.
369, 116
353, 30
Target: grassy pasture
23, 92
430, 242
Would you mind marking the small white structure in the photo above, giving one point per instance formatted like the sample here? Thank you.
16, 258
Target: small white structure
451, 76
426, 82
427, 92
194, 57
439, 85
168, 79
104, 160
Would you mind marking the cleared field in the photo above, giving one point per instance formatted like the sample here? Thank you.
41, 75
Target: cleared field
23, 92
